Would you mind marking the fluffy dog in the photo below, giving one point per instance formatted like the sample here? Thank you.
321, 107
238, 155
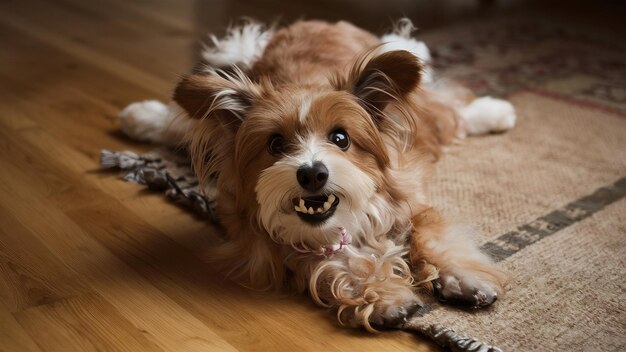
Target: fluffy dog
321, 139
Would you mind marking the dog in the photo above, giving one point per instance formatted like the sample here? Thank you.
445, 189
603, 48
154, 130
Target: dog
321, 139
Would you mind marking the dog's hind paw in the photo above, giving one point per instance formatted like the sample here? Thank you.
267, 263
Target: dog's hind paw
488, 114
145, 120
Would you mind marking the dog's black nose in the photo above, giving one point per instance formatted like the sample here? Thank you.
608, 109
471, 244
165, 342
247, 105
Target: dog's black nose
312, 178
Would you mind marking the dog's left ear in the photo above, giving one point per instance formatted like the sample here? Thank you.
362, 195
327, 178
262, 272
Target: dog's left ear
378, 80
221, 95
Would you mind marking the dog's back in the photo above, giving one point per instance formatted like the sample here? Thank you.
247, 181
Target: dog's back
309, 52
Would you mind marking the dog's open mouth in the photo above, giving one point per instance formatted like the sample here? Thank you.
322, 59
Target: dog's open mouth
315, 209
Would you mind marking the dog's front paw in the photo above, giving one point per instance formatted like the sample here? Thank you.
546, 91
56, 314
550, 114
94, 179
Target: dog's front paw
387, 316
467, 289
144, 121
379, 312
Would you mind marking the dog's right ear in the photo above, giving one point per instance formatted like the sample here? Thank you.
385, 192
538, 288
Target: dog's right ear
378, 79
217, 94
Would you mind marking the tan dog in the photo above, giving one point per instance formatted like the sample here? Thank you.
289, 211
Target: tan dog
322, 138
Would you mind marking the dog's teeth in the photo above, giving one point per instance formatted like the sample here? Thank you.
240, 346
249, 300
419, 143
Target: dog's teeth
320, 210
311, 211
331, 199
302, 204
326, 206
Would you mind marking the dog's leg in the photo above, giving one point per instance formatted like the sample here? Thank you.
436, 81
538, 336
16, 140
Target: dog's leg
477, 115
153, 121
370, 287
466, 275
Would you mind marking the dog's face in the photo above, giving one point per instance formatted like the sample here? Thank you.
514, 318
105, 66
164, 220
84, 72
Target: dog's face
315, 160
309, 160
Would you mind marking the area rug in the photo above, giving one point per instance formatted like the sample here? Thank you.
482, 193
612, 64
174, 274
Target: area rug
546, 197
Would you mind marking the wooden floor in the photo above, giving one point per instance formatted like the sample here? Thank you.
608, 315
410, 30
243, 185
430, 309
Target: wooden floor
88, 262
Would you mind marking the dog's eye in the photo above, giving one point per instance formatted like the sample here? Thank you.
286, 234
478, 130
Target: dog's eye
340, 138
276, 144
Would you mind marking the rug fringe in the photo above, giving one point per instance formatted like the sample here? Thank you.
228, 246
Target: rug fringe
449, 339
123, 160
153, 171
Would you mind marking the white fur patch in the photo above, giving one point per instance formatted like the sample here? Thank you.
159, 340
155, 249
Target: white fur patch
488, 114
153, 121
145, 120
400, 39
241, 46
305, 107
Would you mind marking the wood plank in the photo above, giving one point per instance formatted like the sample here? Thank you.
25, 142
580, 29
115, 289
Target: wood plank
111, 37
55, 159
12, 335
113, 65
85, 116
24, 65
166, 13
165, 323
29, 273
72, 180
83, 323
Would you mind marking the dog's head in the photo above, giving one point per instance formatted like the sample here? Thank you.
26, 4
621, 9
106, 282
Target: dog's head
302, 160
